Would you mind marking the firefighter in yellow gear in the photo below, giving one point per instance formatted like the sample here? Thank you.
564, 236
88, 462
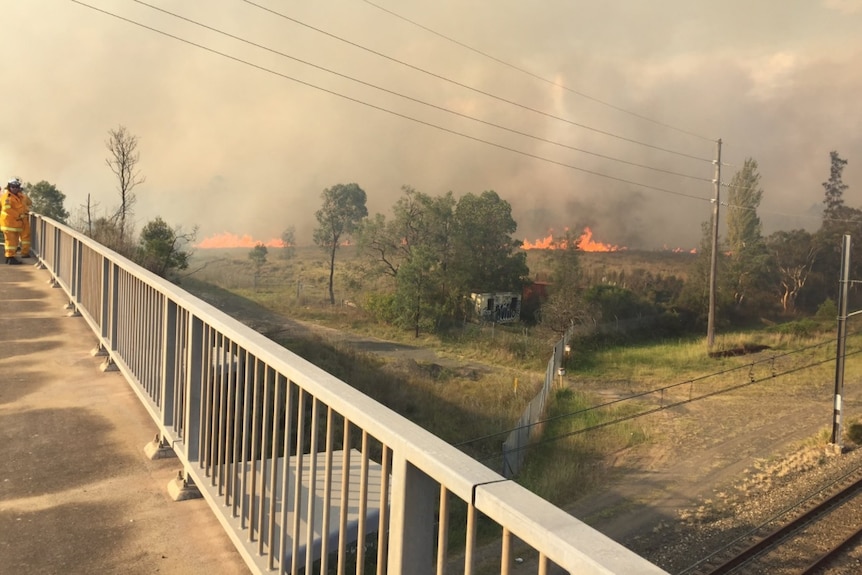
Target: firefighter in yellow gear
25, 229
11, 211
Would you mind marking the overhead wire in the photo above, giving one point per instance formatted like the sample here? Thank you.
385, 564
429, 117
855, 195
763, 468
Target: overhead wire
758, 210
388, 111
474, 89
663, 407
537, 76
645, 393
417, 100
666, 407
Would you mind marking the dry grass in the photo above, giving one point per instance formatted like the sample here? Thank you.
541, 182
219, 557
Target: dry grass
460, 406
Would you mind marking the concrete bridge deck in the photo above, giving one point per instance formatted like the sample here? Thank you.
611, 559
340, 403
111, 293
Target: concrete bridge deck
77, 492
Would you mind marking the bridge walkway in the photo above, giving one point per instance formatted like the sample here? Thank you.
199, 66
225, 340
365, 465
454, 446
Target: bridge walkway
77, 492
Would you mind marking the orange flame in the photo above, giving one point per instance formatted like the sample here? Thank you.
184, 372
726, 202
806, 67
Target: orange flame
678, 250
585, 243
228, 240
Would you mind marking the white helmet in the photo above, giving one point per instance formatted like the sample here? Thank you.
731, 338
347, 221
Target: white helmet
14, 183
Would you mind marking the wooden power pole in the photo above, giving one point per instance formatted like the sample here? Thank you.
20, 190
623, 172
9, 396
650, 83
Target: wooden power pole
713, 262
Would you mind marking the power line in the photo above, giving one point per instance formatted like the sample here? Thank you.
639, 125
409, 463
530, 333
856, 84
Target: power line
537, 76
667, 406
418, 101
476, 90
758, 210
388, 111
643, 394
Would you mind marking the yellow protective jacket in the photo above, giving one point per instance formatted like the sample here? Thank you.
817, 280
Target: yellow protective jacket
12, 210
28, 203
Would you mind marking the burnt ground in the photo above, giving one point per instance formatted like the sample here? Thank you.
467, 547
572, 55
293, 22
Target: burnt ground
712, 469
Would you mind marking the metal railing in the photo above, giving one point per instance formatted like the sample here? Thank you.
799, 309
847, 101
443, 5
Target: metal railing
306, 474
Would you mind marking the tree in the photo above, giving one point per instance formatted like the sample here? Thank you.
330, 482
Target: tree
342, 211
288, 243
838, 219
834, 188
793, 255
162, 249
566, 306
105, 231
747, 265
485, 256
417, 288
123, 162
48, 201
414, 249
258, 257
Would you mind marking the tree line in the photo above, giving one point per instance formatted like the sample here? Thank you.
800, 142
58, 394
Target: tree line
434, 251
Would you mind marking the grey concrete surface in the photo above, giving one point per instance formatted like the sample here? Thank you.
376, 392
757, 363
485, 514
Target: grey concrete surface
77, 493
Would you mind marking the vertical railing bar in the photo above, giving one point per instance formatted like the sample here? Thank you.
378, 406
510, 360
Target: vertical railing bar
134, 328
312, 486
285, 481
298, 480
327, 492
246, 513
123, 335
152, 321
154, 337
179, 396
251, 449
119, 313
197, 375
363, 506
261, 535
471, 539
230, 414
75, 283
167, 354
273, 473
122, 312
128, 332
206, 402
207, 408
345, 491
543, 564
240, 419
383, 521
115, 306
224, 354
104, 307
143, 324
140, 327
506, 552
443, 530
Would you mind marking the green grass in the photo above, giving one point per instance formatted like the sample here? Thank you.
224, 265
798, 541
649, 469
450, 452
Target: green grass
564, 468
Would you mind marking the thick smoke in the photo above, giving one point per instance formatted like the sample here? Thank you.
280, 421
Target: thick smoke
232, 144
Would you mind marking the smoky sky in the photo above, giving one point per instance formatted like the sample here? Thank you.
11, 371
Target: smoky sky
624, 115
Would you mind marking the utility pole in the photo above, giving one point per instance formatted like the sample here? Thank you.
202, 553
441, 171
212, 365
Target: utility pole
713, 262
837, 441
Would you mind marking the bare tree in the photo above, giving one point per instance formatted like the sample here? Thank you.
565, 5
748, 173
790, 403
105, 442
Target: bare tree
123, 161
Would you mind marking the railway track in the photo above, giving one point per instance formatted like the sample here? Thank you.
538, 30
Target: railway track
801, 539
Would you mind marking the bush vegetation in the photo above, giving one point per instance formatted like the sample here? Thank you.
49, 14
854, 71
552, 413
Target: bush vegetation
661, 357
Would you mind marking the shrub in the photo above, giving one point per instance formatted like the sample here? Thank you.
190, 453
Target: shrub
827, 310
